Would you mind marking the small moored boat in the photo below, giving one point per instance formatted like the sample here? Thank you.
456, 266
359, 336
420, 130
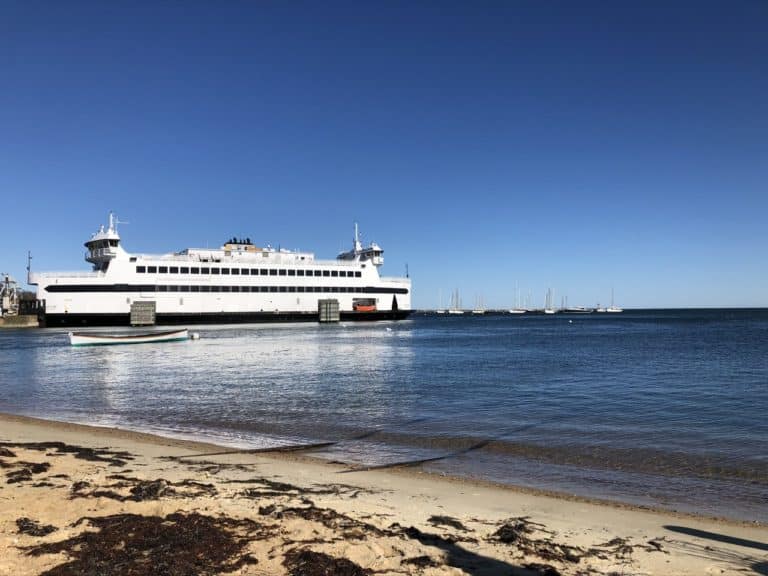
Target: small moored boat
105, 339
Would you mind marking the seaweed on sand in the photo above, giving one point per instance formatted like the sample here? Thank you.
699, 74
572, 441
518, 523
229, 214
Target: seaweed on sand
175, 545
112, 457
32, 528
301, 562
141, 490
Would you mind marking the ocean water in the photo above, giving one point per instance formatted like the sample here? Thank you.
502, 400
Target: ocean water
665, 408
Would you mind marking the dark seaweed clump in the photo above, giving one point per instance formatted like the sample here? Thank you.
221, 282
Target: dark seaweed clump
301, 562
174, 545
32, 528
112, 457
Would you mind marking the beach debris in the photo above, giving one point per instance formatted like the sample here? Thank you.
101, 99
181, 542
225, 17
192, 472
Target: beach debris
32, 528
139, 490
520, 532
348, 527
175, 545
5, 453
112, 457
422, 562
25, 471
447, 521
302, 562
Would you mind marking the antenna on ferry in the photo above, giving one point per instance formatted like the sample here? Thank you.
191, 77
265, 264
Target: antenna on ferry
357, 239
29, 265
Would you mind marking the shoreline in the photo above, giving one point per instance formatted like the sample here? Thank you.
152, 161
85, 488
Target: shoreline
388, 521
405, 471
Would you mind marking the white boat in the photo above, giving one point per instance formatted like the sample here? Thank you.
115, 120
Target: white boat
613, 307
108, 339
455, 303
517, 311
238, 282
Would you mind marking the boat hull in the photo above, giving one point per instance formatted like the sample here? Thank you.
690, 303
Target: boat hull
171, 319
95, 339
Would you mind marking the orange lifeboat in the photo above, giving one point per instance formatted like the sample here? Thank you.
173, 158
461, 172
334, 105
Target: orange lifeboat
364, 307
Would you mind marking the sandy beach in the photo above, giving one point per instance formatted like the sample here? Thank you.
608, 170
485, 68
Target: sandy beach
86, 500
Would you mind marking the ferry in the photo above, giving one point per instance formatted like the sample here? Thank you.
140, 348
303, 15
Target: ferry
238, 282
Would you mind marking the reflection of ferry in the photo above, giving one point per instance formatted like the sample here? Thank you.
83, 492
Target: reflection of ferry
238, 282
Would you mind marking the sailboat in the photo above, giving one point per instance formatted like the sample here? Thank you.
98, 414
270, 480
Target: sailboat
517, 309
548, 309
612, 307
455, 303
479, 309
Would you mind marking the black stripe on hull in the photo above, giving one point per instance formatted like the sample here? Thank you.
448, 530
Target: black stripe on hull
68, 320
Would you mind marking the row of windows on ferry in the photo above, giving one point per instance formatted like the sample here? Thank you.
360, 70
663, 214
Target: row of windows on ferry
247, 271
305, 289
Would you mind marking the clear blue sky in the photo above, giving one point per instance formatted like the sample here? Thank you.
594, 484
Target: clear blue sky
577, 145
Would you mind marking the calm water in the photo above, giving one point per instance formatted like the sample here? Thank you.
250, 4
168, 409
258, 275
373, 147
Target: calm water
668, 408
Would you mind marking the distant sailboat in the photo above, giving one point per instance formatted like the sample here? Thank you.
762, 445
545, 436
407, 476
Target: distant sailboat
612, 307
455, 303
479, 309
517, 309
548, 308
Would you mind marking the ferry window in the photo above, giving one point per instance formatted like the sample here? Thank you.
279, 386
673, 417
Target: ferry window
263, 271
225, 270
162, 288
335, 273
113, 243
358, 274
194, 288
205, 288
318, 272
184, 288
152, 269
194, 270
225, 288
254, 271
236, 271
335, 289
326, 272
214, 270
163, 270
273, 272
299, 272
282, 271
185, 270
245, 271
300, 288
263, 288
235, 289
141, 269
291, 272
291, 288
215, 289
273, 288
174, 269
343, 273
205, 270
326, 288
282, 289
132, 259
245, 288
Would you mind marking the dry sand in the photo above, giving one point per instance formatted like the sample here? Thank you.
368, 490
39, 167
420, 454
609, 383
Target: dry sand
87, 500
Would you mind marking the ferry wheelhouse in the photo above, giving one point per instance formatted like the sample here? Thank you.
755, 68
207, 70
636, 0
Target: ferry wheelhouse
238, 282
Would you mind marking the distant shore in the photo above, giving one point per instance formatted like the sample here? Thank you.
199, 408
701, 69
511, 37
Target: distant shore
264, 513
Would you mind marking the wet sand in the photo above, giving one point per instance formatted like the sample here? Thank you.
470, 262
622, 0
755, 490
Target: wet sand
88, 500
